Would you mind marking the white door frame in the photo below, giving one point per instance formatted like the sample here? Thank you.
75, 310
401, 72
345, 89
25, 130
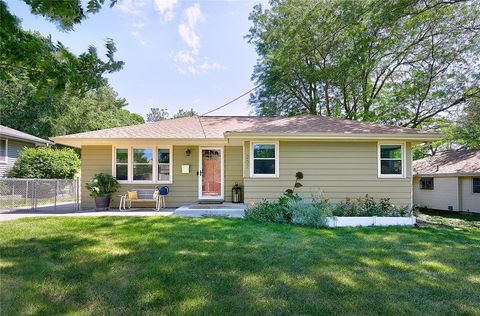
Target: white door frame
200, 174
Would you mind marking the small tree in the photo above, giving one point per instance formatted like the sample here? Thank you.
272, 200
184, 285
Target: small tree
46, 163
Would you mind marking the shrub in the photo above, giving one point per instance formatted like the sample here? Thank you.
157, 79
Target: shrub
102, 185
46, 163
368, 207
277, 211
265, 212
309, 214
290, 208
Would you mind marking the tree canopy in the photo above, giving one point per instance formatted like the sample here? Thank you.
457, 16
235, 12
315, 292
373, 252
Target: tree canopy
405, 63
46, 163
158, 114
47, 63
45, 89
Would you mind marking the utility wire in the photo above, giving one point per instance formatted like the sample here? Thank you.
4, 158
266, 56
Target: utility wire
231, 101
362, 14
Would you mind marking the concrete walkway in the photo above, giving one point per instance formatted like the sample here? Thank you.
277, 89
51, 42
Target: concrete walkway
19, 214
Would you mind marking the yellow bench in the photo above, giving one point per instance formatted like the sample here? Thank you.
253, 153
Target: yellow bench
142, 195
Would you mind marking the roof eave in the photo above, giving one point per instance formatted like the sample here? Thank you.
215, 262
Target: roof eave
30, 141
455, 174
334, 136
79, 142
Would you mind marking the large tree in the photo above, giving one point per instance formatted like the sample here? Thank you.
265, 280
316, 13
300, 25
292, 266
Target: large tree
466, 131
397, 62
47, 63
47, 90
24, 108
158, 114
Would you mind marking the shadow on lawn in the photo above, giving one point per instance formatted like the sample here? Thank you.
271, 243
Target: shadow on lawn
219, 266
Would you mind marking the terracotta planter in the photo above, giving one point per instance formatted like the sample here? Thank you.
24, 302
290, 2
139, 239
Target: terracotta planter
102, 203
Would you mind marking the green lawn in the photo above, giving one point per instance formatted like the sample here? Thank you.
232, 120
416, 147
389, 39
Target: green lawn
168, 265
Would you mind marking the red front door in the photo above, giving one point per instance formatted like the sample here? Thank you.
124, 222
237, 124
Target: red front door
211, 173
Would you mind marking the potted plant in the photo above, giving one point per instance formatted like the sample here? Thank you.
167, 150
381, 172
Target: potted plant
101, 186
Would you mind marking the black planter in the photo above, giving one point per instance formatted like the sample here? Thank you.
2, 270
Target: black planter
102, 203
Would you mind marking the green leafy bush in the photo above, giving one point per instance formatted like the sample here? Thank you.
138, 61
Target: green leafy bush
265, 212
368, 207
291, 208
102, 185
46, 163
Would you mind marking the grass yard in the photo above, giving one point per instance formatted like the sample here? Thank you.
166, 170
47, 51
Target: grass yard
169, 265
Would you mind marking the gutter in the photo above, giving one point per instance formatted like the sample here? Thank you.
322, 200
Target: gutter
334, 136
30, 141
461, 174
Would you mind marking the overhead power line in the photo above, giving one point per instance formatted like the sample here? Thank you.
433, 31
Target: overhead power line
231, 101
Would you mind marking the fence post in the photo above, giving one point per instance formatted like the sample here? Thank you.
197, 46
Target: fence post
26, 192
34, 195
13, 194
56, 192
77, 193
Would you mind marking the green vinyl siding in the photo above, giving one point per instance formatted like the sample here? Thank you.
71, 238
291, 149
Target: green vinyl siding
183, 190
336, 170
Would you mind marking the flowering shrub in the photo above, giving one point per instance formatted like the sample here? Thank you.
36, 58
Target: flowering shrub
102, 185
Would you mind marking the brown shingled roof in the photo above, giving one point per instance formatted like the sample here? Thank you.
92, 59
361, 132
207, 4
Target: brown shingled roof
455, 162
215, 127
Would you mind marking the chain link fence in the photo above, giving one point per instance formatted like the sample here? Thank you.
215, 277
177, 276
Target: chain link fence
39, 195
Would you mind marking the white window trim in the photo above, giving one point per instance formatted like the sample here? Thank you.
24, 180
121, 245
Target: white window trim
277, 160
403, 158
4, 159
170, 165
114, 164
154, 164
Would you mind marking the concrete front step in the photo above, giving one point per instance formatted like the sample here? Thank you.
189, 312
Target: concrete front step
200, 210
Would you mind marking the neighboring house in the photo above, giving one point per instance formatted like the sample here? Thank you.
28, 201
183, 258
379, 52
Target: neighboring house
11, 144
448, 181
201, 158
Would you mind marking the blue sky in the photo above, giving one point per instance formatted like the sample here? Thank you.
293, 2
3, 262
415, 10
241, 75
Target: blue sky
177, 54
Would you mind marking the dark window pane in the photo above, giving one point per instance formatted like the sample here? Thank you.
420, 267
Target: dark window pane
163, 155
163, 172
426, 183
391, 167
390, 151
3, 150
142, 172
264, 166
476, 185
264, 151
122, 172
143, 155
122, 155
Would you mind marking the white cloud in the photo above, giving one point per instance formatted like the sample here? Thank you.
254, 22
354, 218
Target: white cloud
139, 38
138, 24
188, 60
133, 7
166, 9
206, 66
193, 67
185, 57
186, 29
